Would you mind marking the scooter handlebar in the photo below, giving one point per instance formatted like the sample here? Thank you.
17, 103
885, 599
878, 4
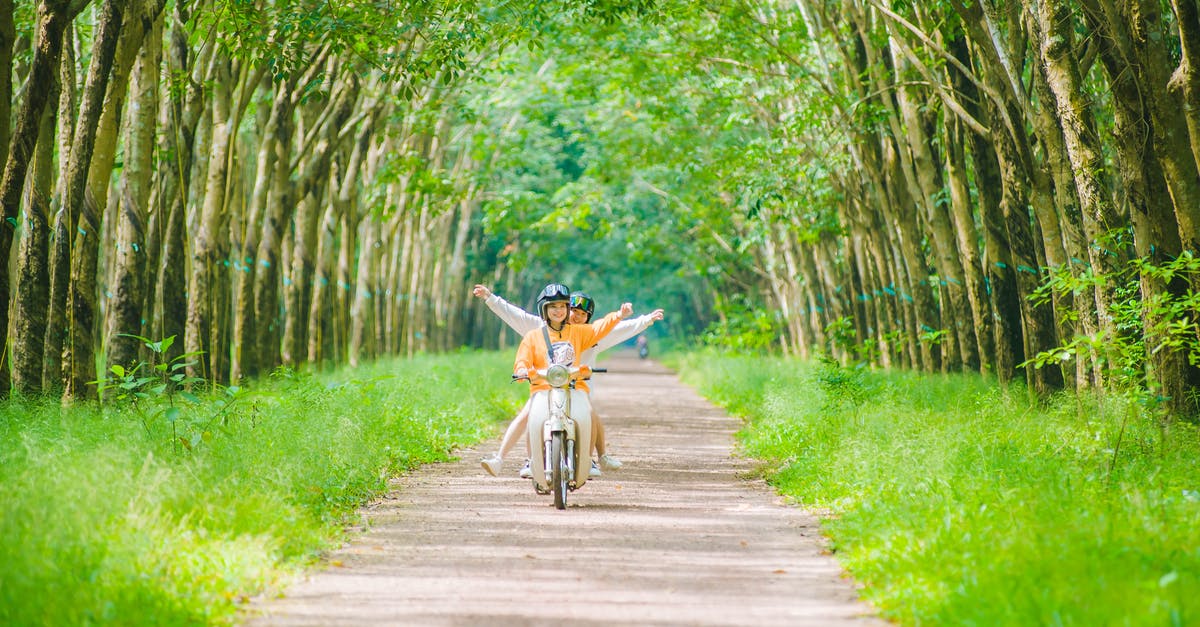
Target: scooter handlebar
542, 373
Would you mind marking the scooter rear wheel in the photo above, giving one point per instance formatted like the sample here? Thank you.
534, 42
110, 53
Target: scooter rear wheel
558, 472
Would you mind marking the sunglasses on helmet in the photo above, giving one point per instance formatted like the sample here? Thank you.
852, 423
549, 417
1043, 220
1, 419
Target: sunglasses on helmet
555, 292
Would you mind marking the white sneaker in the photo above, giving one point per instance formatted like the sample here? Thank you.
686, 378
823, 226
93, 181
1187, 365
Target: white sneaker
526, 473
608, 462
491, 464
595, 471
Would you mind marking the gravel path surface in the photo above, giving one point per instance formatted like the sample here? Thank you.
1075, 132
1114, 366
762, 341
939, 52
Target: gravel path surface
678, 536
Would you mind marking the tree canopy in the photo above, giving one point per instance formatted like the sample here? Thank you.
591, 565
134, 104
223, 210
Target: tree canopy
1009, 188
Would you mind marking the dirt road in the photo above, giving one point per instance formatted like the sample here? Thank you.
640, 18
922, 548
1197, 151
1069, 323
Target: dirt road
678, 536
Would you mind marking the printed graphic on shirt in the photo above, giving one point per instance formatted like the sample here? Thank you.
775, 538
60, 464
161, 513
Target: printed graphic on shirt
562, 353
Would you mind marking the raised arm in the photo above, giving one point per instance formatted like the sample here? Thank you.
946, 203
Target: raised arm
520, 320
628, 328
604, 326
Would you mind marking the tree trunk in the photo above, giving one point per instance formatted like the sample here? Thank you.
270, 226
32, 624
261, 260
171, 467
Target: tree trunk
320, 303
976, 357
1152, 62
910, 131
298, 288
456, 276
280, 205
125, 314
396, 329
8, 38
1082, 144
956, 308
1156, 238
314, 177
60, 252
362, 313
52, 20
326, 324
245, 360
80, 202
33, 272
958, 138
181, 113
997, 262
1187, 75
172, 276
1061, 219
204, 274
902, 197
1037, 320
910, 288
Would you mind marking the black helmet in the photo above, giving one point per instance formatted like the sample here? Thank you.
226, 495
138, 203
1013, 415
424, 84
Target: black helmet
580, 300
553, 293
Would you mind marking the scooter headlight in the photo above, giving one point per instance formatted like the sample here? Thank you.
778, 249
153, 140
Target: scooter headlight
558, 376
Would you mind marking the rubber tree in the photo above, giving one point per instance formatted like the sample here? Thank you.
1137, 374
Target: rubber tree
52, 20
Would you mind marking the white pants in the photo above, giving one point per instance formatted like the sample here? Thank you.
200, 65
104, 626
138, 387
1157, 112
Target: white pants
581, 412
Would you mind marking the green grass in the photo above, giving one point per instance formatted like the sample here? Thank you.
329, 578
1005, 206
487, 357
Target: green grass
957, 503
117, 516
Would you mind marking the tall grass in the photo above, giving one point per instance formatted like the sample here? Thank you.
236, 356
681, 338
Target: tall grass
114, 517
956, 503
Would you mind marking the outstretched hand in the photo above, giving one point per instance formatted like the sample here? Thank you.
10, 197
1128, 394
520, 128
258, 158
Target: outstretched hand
626, 310
481, 291
656, 315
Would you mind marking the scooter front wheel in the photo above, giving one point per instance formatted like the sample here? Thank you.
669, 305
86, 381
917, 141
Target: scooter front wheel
558, 473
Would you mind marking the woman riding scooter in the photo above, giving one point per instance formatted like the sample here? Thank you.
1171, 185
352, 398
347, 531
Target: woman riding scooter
582, 308
562, 343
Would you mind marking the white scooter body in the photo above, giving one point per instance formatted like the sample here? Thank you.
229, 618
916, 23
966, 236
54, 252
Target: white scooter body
578, 422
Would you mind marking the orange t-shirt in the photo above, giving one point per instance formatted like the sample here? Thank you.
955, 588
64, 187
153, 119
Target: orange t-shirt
566, 346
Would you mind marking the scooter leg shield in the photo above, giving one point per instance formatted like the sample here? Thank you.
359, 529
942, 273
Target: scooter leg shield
581, 412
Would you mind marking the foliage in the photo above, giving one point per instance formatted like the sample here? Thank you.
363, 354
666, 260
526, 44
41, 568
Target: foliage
1142, 327
152, 391
842, 386
744, 327
106, 522
614, 180
954, 502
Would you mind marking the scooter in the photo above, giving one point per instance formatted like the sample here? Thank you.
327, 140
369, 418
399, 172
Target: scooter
560, 427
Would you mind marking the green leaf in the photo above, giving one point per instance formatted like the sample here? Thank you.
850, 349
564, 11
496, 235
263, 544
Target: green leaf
172, 414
